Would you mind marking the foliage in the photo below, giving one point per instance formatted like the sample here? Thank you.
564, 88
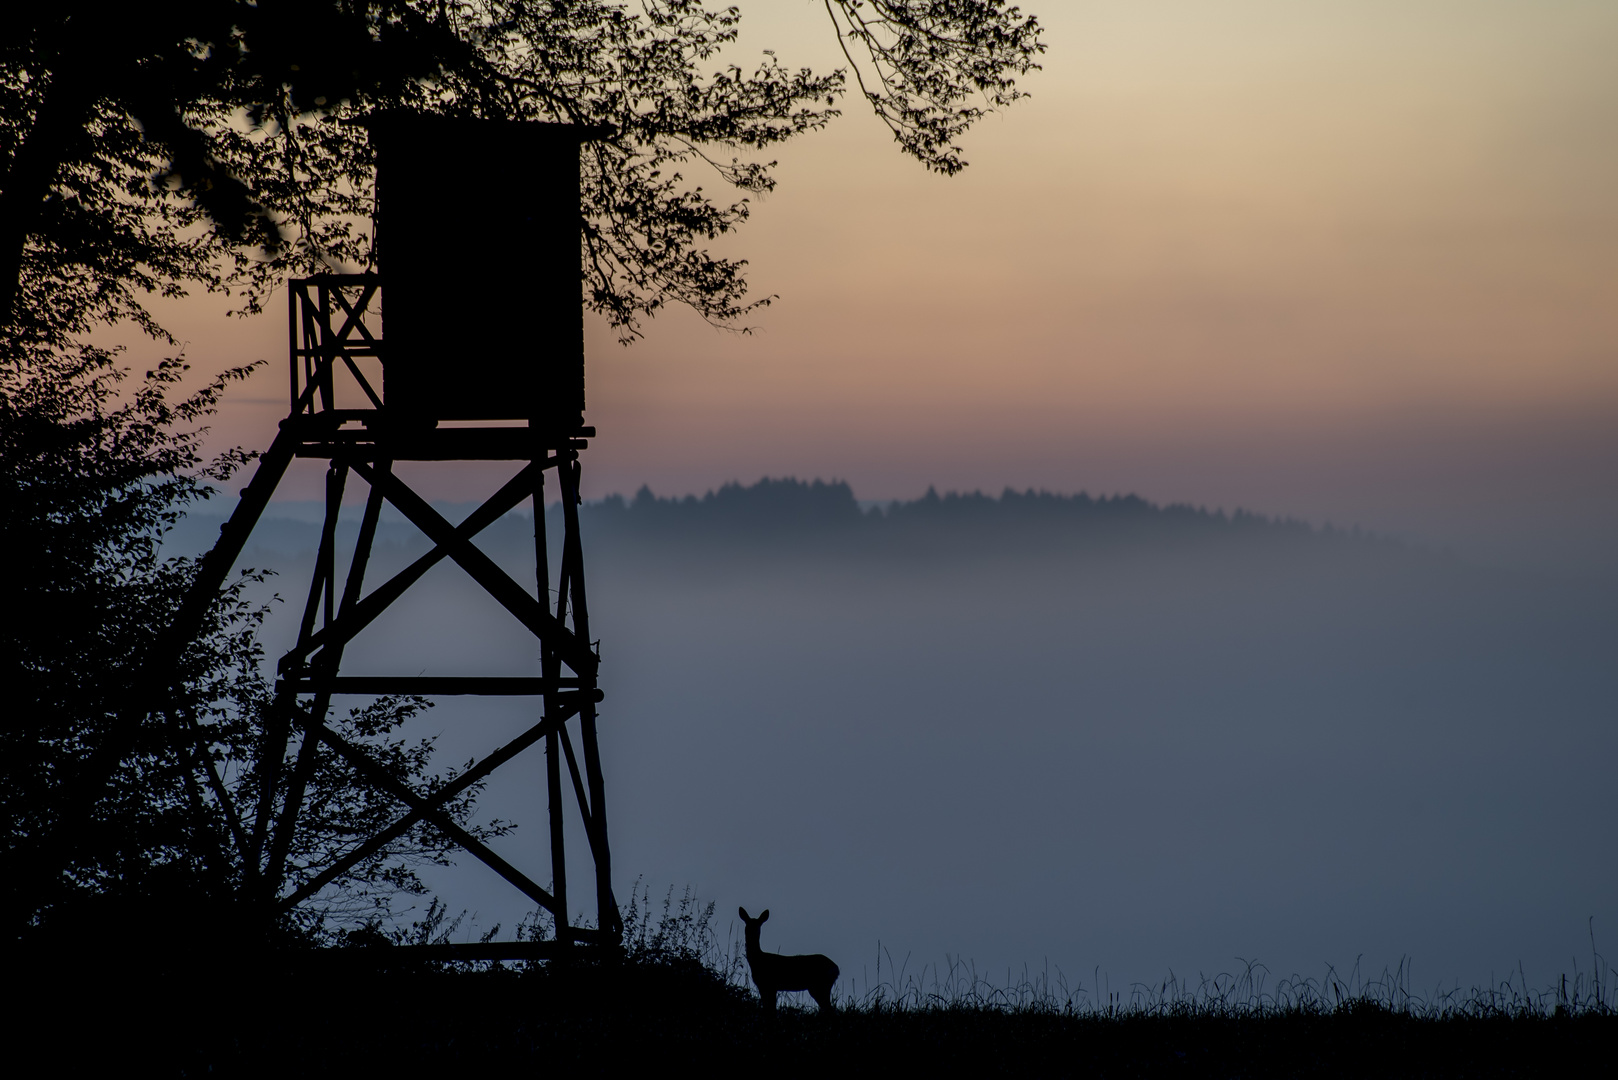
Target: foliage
210, 142
925, 58
109, 184
89, 482
87, 485
683, 936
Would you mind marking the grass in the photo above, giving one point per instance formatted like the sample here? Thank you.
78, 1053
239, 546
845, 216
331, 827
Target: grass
685, 930
680, 996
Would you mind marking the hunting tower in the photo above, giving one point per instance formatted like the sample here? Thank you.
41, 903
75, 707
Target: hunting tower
466, 345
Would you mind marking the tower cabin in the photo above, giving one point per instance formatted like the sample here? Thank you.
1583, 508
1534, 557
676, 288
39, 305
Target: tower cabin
477, 241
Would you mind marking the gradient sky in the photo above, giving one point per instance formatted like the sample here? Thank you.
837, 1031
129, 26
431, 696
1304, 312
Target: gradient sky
1348, 261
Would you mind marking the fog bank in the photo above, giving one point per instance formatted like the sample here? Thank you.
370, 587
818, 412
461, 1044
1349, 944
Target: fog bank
1022, 730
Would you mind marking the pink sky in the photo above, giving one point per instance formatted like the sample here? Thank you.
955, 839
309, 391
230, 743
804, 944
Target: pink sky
1351, 261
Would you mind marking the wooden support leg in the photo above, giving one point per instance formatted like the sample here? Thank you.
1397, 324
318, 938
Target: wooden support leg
573, 561
330, 659
550, 668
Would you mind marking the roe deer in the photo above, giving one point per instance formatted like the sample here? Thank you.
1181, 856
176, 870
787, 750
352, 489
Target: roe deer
773, 972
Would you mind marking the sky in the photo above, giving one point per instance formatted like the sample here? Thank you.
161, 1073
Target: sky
1351, 262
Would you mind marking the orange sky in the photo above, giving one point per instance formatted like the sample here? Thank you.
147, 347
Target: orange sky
1351, 260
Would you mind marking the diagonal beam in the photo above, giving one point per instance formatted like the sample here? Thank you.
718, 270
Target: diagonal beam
365, 384
348, 624
321, 587
437, 799
568, 473
578, 790
379, 776
355, 313
227, 805
292, 806
574, 651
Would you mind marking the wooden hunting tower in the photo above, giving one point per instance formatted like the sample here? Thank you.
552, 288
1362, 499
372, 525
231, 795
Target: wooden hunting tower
472, 322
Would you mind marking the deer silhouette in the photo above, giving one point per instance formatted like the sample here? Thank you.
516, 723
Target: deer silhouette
773, 972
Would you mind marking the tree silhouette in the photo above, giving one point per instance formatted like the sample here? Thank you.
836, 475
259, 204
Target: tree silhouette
89, 480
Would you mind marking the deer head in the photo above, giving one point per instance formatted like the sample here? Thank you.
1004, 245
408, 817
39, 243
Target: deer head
752, 925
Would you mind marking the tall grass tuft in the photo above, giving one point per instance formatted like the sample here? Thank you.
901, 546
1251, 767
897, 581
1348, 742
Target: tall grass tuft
1245, 992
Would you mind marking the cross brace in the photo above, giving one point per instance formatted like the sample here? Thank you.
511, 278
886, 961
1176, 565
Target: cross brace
309, 672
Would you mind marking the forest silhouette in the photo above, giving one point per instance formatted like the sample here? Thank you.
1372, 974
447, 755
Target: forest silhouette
791, 516
788, 512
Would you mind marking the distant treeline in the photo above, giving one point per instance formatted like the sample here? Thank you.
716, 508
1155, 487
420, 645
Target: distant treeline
792, 516
820, 513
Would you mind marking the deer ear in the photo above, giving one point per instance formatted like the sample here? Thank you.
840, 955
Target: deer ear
743, 913
765, 914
